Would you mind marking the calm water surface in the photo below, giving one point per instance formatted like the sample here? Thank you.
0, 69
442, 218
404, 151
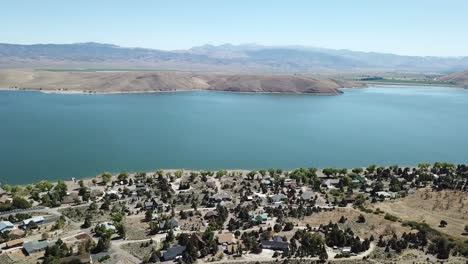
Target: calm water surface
52, 136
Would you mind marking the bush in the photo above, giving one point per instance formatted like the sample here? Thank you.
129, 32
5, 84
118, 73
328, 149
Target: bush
342, 255
104, 258
390, 217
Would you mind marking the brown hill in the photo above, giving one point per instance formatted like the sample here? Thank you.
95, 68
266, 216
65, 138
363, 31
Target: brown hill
458, 78
107, 82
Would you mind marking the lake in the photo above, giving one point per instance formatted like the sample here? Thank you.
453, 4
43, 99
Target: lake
59, 136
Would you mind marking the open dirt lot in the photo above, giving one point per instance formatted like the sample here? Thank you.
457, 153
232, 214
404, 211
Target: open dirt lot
431, 207
375, 223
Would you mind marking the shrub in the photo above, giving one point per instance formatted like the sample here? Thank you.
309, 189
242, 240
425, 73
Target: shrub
390, 217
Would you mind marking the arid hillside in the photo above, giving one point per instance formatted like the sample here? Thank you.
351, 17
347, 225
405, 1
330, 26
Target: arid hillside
458, 78
107, 82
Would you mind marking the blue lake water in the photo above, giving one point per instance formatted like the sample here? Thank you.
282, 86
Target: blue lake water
53, 136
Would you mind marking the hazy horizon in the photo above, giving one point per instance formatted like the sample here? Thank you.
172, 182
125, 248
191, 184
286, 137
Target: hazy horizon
397, 27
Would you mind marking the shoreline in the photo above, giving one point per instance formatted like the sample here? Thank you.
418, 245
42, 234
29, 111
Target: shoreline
84, 92
243, 171
415, 84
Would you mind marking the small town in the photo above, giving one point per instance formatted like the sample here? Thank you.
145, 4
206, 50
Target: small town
238, 216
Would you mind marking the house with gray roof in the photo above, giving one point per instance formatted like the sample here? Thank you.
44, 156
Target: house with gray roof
34, 246
173, 253
6, 226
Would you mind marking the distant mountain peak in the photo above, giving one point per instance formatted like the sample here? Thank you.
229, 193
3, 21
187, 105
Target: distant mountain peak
227, 56
96, 44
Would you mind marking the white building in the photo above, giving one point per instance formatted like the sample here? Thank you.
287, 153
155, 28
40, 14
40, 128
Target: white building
36, 219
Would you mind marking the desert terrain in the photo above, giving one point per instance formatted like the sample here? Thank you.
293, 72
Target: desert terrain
145, 81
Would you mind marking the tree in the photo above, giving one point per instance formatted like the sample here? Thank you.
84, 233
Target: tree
358, 170
443, 223
123, 176
44, 186
104, 242
288, 226
441, 247
106, 177
61, 189
371, 169
361, 219
6, 187
20, 203
342, 220
359, 200
121, 229
87, 221
154, 228
277, 228
323, 255
54, 253
170, 235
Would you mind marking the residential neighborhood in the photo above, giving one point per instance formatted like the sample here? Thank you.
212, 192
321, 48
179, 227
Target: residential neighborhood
204, 216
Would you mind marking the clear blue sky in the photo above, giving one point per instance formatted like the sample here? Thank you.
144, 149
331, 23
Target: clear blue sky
411, 27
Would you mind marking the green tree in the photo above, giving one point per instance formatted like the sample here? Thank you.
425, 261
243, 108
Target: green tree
361, 219
123, 176
87, 221
61, 189
6, 187
121, 230
277, 228
106, 177
20, 203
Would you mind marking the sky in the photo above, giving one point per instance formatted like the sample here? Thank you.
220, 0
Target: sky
416, 27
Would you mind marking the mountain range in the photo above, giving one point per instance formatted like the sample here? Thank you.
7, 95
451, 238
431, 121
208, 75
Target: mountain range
227, 57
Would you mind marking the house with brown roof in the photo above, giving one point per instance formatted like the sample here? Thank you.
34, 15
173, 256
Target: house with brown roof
226, 239
197, 239
211, 215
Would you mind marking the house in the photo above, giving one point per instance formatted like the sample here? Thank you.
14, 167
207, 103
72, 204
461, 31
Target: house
173, 253
226, 239
173, 223
5, 199
308, 195
108, 226
350, 198
290, 183
331, 183
260, 217
95, 193
113, 194
37, 220
140, 187
275, 245
231, 249
277, 239
71, 199
266, 181
210, 183
35, 246
221, 197
211, 215
278, 198
14, 243
346, 250
386, 195
150, 205
6, 226
197, 240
